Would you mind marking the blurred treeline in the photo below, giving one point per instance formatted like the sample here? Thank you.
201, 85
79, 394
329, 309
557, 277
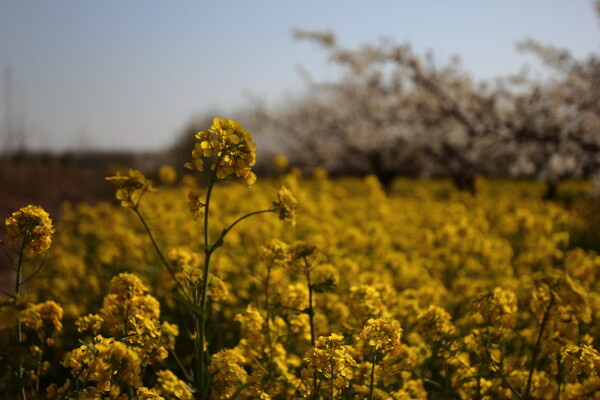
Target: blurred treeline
394, 112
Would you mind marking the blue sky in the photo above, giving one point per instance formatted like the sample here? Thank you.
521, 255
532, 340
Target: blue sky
131, 74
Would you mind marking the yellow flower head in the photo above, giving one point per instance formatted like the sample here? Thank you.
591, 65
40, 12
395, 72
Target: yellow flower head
330, 358
31, 228
167, 174
169, 386
131, 188
230, 149
186, 264
576, 360
228, 373
435, 323
280, 163
106, 364
275, 252
382, 334
195, 204
126, 286
44, 318
303, 257
143, 393
498, 306
286, 205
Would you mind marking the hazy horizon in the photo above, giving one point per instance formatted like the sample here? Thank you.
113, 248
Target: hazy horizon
131, 75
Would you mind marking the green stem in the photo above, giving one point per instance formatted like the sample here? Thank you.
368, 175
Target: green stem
500, 372
160, 254
311, 313
39, 368
478, 383
200, 320
559, 377
268, 324
317, 387
219, 241
180, 364
312, 326
331, 389
209, 248
30, 277
200, 324
372, 379
537, 347
19, 268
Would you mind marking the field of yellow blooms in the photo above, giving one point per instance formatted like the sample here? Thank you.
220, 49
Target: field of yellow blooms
302, 287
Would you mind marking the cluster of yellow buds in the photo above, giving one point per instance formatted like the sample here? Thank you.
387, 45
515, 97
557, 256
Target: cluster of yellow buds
382, 335
130, 188
286, 205
498, 306
230, 148
330, 358
31, 228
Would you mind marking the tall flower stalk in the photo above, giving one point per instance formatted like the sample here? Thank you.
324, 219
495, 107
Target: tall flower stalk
227, 150
30, 231
381, 336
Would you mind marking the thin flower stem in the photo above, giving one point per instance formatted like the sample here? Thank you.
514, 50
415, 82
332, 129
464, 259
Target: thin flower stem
478, 383
331, 389
537, 347
559, 377
240, 219
268, 308
200, 321
372, 379
24, 281
180, 364
39, 368
19, 267
311, 313
312, 324
317, 387
4, 250
160, 254
501, 373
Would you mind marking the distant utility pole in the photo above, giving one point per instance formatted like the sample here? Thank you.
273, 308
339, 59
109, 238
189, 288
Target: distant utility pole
8, 129
14, 136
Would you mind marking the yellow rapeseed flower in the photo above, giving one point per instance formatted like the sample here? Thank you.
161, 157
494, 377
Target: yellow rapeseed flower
29, 228
229, 147
172, 387
286, 205
330, 358
435, 323
382, 334
130, 188
280, 163
498, 306
167, 174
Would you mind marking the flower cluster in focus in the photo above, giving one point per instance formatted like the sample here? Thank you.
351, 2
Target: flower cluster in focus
30, 228
131, 188
230, 149
330, 358
286, 205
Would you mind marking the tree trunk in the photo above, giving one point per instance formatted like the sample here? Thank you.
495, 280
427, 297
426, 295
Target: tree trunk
465, 183
551, 190
385, 175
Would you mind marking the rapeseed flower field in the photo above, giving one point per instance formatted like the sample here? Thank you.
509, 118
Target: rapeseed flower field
221, 286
